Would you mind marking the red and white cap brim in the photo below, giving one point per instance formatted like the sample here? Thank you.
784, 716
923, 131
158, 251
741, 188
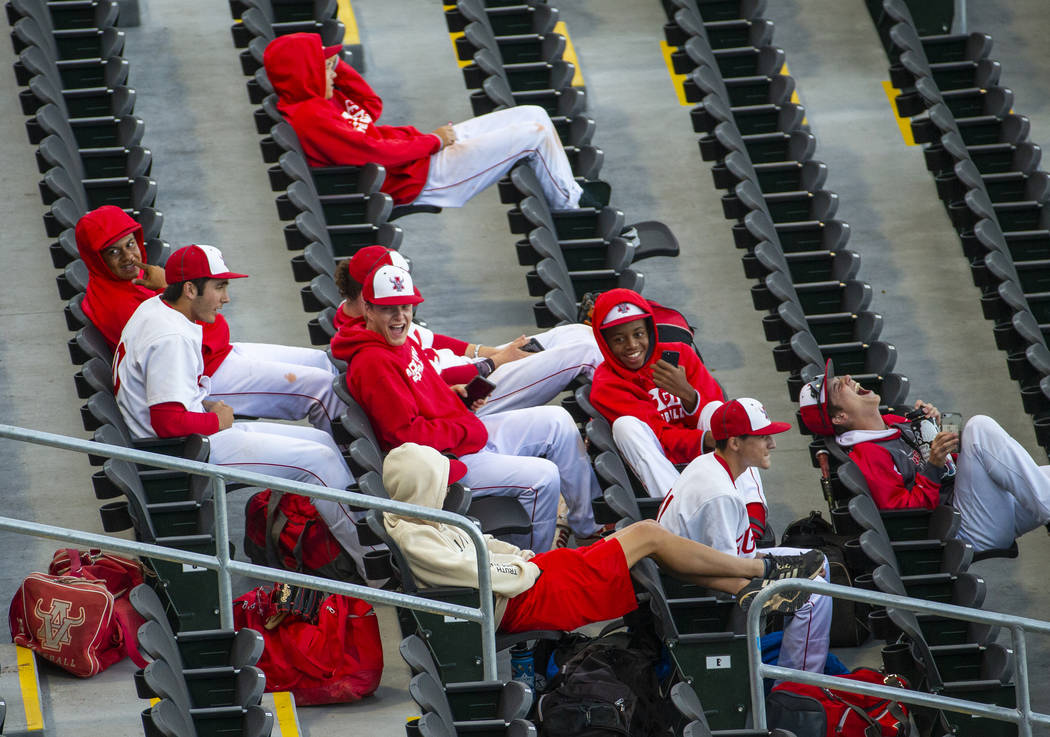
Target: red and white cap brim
744, 416
813, 403
621, 313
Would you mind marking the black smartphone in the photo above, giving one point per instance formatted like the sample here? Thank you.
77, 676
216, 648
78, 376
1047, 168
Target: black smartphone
670, 356
533, 346
478, 388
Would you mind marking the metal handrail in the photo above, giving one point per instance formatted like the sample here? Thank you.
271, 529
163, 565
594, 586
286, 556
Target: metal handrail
224, 565
1022, 716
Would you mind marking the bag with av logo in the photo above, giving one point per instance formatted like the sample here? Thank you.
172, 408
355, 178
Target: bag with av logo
75, 621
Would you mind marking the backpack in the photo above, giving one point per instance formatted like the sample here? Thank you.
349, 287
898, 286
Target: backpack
78, 615
285, 531
813, 711
849, 619
608, 686
333, 655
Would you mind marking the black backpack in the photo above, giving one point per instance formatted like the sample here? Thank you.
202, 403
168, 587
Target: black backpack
608, 686
849, 619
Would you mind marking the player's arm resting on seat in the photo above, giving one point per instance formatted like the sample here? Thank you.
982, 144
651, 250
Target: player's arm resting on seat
887, 486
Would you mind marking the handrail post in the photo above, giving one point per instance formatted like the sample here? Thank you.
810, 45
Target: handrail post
488, 622
222, 552
756, 624
1024, 698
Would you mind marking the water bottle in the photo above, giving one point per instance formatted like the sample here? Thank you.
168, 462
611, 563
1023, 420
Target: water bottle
522, 667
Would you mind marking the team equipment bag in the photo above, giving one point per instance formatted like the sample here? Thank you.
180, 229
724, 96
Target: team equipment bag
324, 652
812, 711
849, 619
607, 686
285, 531
78, 615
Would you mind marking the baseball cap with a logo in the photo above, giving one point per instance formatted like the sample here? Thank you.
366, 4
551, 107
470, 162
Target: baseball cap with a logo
197, 262
621, 313
813, 403
390, 285
744, 416
369, 257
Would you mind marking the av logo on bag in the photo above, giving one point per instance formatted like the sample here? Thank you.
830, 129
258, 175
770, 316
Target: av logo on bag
55, 625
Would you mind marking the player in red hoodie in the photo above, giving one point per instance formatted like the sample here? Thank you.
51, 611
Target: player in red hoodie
334, 113
255, 379
657, 410
408, 401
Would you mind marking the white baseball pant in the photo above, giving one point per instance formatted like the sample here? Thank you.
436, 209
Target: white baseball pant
488, 146
278, 382
300, 454
509, 465
807, 632
1000, 492
641, 450
568, 351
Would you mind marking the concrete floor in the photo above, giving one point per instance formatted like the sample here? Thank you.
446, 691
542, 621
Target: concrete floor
213, 189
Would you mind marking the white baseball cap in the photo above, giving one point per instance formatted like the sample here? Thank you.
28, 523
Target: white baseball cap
390, 285
621, 313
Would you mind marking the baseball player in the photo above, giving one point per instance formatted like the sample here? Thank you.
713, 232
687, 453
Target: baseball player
705, 505
408, 401
522, 378
1000, 492
565, 588
256, 379
162, 389
334, 113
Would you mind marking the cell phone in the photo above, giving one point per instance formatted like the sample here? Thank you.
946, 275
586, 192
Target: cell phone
670, 356
478, 388
533, 346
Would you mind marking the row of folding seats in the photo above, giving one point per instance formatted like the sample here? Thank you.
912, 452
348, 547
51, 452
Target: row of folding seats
513, 56
816, 306
987, 173
91, 154
204, 683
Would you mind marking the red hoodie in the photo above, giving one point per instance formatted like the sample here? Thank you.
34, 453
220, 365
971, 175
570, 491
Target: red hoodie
404, 397
342, 131
110, 302
617, 390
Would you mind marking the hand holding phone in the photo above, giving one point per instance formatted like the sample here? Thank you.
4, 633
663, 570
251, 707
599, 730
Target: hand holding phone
670, 356
478, 388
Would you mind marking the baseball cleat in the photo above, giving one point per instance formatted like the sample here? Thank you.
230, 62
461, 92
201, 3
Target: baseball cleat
808, 565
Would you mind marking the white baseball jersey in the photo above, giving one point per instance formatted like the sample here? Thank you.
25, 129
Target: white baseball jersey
158, 360
705, 505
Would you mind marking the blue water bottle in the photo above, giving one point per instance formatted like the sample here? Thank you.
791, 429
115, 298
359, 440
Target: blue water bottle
522, 667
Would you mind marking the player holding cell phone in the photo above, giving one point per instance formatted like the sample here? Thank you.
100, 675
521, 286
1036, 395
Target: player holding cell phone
653, 393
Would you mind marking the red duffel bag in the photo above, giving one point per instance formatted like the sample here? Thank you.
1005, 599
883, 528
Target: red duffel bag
78, 616
338, 658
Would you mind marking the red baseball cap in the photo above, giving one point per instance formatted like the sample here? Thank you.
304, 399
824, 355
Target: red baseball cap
457, 469
390, 285
197, 262
330, 51
744, 416
813, 403
369, 257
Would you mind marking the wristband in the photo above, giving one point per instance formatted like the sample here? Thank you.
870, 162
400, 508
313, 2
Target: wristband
485, 367
477, 347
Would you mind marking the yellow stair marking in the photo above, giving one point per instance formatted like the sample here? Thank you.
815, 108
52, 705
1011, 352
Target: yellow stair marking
570, 53
284, 709
346, 15
794, 93
903, 123
27, 679
676, 79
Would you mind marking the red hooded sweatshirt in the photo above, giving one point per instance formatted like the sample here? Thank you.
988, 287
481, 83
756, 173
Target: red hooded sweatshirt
617, 390
110, 302
342, 131
404, 397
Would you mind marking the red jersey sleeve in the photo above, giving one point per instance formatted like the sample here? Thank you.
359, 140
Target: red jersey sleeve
756, 517
457, 346
700, 379
172, 420
459, 374
886, 484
